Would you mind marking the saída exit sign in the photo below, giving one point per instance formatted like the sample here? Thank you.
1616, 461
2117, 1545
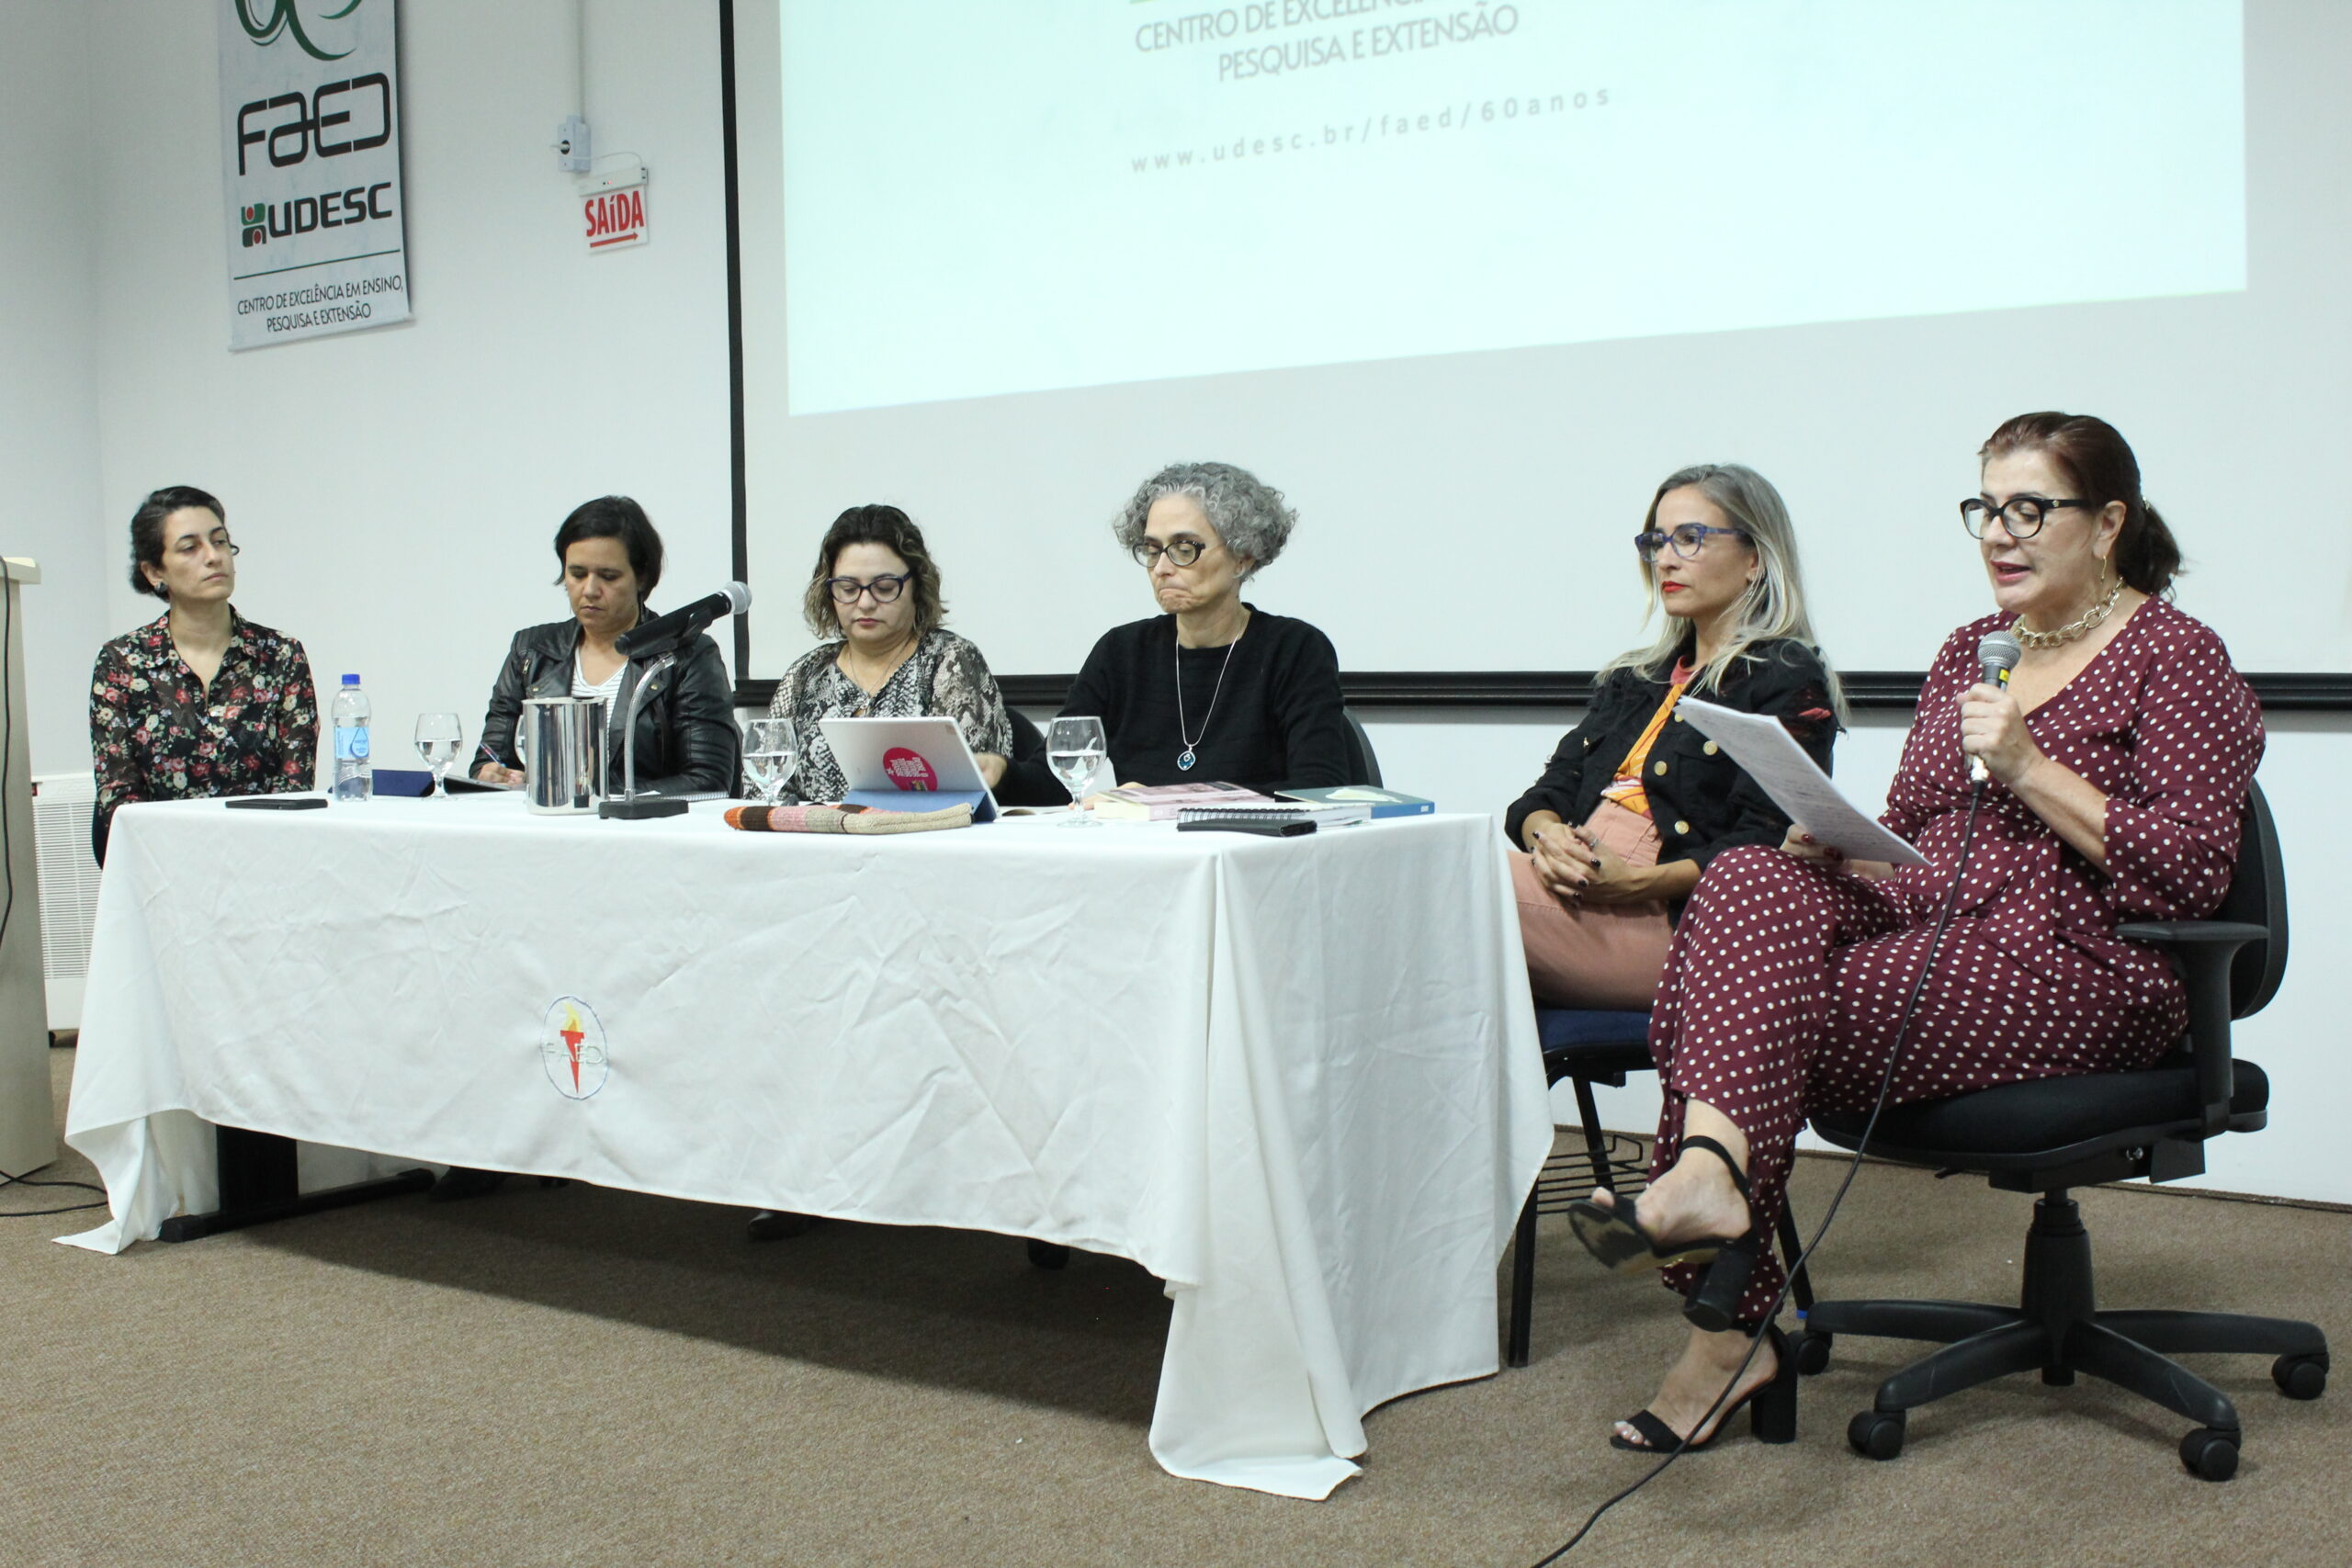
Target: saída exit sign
614, 220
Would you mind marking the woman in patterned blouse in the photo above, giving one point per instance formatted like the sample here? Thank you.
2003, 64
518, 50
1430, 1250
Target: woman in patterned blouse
875, 598
200, 701
2116, 765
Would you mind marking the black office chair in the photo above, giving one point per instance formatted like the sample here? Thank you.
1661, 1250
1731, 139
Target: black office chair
1363, 767
2052, 1135
1027, 780
1588, 1046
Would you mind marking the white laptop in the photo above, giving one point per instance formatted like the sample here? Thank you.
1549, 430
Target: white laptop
908, 765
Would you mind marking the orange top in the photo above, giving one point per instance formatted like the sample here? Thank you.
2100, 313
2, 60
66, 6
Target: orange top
1625, 789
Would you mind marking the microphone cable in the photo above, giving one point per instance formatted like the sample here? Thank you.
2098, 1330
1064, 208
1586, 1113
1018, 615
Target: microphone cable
1853, 1169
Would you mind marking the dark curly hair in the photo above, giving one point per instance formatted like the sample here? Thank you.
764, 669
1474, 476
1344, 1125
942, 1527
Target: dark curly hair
872, 524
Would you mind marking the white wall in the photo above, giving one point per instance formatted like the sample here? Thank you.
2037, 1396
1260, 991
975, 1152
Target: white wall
380, 479
49, 434
396, 490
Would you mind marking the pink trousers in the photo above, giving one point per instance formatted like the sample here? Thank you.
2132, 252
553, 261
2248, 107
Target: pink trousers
1600, 955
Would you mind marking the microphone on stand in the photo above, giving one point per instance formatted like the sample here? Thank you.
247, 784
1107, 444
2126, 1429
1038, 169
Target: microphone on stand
1997, 654
665, 632
660, 639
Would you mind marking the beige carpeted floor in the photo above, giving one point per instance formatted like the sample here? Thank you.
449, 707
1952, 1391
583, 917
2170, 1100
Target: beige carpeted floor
585, 1377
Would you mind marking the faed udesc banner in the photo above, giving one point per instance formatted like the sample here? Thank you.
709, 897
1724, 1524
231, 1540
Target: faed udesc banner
311, 170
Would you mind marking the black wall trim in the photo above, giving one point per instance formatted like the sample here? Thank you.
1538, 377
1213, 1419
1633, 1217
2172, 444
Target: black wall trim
742, 556
1865, 689
2284, 693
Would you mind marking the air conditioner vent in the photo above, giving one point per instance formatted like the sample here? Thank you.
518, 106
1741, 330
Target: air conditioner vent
68, 889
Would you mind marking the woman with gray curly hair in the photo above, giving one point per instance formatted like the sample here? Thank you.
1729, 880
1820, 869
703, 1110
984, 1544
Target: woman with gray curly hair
1214, 688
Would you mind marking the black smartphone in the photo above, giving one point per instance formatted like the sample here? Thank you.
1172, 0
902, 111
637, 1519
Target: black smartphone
277, 803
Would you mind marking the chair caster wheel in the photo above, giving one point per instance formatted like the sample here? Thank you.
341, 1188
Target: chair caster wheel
2211, 1453
1812, 1351
1875, 1434
2300, 1377
1048, 1255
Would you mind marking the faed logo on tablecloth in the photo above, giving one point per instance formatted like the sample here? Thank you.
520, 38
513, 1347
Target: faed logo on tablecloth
571, 1048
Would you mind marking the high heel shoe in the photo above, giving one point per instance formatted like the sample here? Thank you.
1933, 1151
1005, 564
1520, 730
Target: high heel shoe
1615, 1234
1771, 1410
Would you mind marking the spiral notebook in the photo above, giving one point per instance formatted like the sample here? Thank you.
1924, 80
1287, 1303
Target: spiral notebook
1346, 815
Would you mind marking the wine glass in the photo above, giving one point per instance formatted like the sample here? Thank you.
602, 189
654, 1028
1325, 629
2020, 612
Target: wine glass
770, 749
438, 736
1074, 750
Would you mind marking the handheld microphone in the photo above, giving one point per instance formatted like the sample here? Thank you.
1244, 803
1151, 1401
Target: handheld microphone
1997, 654
664, 632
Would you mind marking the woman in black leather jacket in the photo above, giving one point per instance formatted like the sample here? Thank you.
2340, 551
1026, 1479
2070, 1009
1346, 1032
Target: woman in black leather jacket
1636, 801
687, 739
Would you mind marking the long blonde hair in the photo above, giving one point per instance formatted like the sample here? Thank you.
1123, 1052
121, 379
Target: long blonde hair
1773, 605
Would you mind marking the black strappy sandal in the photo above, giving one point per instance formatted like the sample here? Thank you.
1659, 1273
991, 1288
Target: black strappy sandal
1772, 1411
1615, 1234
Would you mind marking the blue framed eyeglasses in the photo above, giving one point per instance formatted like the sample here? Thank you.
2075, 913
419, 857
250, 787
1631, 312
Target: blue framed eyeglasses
1686, 541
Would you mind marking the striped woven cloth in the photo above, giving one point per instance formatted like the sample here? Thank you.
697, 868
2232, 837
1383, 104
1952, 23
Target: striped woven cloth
843, 819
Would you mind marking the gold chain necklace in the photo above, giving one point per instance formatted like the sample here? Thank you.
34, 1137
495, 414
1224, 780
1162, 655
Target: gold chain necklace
2074, 628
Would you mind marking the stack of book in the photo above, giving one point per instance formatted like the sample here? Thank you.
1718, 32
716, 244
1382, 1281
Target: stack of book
1160, 803
1232, 805
1381, 803
1275, 812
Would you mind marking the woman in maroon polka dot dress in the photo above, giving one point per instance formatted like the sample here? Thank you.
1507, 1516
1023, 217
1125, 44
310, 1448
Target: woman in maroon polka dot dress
2118, 754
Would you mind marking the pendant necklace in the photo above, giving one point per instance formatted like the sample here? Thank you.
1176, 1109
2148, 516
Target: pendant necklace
1184, 760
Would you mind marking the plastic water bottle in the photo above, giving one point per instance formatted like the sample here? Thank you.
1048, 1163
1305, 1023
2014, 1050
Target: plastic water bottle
355, 776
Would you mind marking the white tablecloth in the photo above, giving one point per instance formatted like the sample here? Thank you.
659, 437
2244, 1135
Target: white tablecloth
1296, 1078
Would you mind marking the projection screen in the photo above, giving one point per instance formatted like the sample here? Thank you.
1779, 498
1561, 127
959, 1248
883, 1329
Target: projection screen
1467, 280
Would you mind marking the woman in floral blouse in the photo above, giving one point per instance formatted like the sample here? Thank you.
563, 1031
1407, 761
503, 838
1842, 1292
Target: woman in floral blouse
875, 598
200, 701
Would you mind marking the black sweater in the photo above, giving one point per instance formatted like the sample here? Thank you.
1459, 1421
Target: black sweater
1277, 724
1700, 799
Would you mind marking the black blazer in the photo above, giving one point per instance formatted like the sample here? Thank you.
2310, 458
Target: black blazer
1701, 800
687, 739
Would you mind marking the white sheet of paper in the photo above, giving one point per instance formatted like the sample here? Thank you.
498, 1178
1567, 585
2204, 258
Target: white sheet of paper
1760, 743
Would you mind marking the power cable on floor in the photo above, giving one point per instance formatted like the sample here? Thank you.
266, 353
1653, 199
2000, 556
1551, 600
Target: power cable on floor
8, 1180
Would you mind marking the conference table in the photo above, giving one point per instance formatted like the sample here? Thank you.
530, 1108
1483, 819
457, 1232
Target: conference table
1298, 1079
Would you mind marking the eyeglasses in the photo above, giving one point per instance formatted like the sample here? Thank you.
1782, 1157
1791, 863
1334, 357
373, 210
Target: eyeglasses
1688, 540
1183, 550
884, 588
2021, 515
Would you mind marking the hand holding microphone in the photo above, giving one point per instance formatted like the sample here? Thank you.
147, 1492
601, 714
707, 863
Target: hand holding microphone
1993, 718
